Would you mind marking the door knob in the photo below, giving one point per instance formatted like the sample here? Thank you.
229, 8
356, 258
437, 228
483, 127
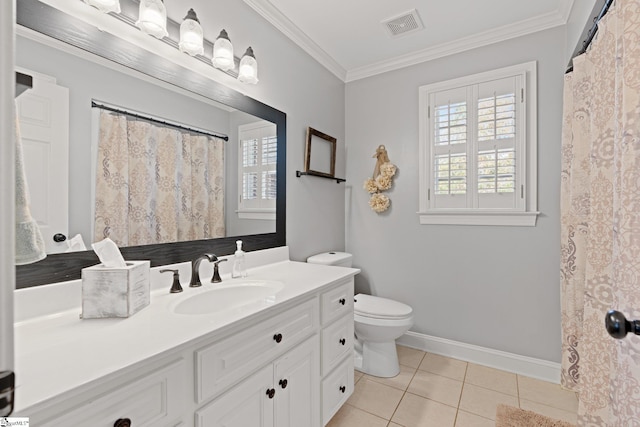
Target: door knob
59, 237
618, 326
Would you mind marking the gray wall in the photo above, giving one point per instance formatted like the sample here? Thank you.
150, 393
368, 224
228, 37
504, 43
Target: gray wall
496, 287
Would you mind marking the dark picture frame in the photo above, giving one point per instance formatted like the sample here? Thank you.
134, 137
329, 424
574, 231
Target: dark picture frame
320, 154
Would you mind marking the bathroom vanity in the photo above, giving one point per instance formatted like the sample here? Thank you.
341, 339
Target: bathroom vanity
276, 357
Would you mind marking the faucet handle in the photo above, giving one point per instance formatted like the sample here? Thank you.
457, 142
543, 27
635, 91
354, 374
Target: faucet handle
216, 273
175, 286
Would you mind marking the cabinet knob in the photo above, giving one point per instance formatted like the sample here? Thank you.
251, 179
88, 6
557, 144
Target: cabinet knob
343, 341
283, 383
343, 389
59, 237
271, 392
122, 422
342, 301
277, 338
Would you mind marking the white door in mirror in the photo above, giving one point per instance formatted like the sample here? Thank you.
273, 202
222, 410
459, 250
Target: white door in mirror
43, 113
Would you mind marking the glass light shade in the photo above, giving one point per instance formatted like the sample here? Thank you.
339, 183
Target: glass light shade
152, 18
105, 6
223, 52
248, 72
191, 35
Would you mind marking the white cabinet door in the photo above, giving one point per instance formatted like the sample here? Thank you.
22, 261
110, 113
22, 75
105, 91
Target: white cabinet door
43, 114
246, 405
296, 381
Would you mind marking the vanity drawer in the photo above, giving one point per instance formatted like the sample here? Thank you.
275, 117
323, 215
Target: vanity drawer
337, 302
337, 342
336, 389
157, 399
224, 363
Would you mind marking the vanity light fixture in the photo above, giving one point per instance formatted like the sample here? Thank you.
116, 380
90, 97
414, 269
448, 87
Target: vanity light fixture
248, 70
152, 18
105, 6
191, 35
223, 52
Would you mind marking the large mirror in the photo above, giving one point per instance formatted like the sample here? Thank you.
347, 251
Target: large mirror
219, 109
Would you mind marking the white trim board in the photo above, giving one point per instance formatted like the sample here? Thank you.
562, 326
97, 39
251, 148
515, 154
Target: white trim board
510, 362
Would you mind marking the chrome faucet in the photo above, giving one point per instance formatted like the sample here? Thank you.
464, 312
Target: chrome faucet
195, 266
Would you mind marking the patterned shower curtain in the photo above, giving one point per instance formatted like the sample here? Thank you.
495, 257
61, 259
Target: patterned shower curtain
157, 184
600, 212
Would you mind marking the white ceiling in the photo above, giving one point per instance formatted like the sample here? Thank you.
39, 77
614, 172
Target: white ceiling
347, 36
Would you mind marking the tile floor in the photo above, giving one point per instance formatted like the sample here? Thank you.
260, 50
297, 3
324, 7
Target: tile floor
433, 390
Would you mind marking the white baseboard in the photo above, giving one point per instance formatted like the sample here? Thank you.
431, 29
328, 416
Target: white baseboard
510, 362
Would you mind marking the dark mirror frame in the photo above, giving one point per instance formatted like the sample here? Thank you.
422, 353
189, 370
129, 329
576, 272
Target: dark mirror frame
47, 20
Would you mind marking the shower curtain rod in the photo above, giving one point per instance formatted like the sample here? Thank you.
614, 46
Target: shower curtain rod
592, 32
96, 104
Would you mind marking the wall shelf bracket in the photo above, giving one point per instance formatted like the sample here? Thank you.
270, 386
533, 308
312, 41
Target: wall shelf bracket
319, 175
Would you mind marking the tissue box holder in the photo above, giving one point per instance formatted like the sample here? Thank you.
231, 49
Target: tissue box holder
115, 292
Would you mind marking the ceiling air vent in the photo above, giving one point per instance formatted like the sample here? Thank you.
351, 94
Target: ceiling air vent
405, 23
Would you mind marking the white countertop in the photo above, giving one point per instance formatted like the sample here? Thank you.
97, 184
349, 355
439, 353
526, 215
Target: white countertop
56, 351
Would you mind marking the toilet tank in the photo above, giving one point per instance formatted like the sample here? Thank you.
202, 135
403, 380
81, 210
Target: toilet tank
342, 259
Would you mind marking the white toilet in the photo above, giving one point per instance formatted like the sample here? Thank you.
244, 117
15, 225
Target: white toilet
378, 323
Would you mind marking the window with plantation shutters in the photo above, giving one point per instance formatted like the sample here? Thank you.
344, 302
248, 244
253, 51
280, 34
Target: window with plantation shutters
257, 170
478, 149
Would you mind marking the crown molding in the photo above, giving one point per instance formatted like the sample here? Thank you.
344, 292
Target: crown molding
564, 10
289, 29
549, 20
506, 32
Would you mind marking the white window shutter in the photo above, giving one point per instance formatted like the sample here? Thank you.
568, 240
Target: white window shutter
477, 152
498, 144
450, 134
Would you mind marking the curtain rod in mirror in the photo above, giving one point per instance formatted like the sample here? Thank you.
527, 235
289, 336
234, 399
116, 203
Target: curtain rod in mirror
142, 116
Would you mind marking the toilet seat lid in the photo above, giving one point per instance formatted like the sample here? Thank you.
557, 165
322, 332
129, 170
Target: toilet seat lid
380, 308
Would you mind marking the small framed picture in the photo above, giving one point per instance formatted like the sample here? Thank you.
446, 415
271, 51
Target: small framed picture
320, 157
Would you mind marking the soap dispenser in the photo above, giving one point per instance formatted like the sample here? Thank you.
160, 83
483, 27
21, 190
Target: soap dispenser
239, 267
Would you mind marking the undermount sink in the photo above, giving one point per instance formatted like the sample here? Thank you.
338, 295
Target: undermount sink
223, 297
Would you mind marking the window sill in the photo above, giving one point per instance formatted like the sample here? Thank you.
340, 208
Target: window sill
476, 217
259, 214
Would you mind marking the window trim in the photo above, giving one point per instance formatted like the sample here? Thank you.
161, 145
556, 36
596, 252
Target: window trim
524, 216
